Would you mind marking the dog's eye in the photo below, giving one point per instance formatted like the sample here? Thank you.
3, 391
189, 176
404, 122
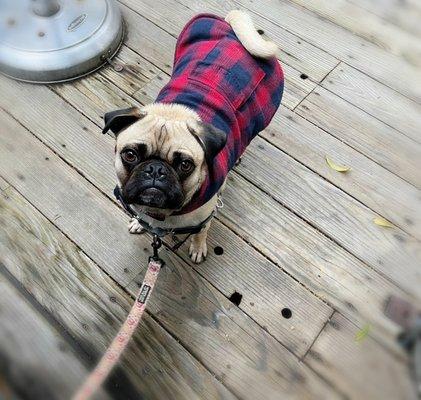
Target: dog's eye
129, 156
186, 166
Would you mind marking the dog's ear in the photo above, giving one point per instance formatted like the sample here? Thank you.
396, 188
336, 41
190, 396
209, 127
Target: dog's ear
211, 139
118, 120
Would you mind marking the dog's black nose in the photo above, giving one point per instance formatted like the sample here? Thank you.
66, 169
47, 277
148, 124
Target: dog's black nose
155, 171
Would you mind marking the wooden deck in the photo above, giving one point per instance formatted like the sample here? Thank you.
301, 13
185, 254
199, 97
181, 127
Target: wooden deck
295, 233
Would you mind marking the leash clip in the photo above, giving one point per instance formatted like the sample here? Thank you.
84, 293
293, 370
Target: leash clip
156, 244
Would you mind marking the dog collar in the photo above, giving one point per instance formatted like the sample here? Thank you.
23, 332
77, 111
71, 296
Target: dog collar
161, 232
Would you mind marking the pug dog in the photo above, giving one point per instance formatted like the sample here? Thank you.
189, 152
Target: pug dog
172, 157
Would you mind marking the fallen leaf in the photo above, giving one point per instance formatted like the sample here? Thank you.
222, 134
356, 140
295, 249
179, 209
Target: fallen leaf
362, 333
383, 222
336, 167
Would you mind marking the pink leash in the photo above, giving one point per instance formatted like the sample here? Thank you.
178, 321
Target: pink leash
114, 351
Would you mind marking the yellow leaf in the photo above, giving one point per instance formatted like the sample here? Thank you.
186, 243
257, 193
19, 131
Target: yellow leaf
362, 333
383, 222
336, 167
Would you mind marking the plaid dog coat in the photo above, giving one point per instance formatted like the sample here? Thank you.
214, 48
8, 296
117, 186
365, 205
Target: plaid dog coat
218, 78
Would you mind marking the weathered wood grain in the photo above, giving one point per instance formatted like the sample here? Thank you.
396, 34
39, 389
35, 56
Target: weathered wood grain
376, 99
249, 351
95, 96
317, 262
379, 142
150, 91
173, 15
369, 26
265, 289
367, 181
90, 307
391, 252
267, 368
136, 72
35, 361
342, 44
65, 204
308, 308
359, 368
404, 14
148, 40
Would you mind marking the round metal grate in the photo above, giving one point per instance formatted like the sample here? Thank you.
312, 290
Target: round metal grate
57, 40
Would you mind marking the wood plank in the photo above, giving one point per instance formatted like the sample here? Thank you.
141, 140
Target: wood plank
376, 99
361, 369
380, 190
342, 44
136, 72
267, 367
172, 16
78, 144
95, 95
391, 252
317, 262
90, 100
36, 361
379, 142
148, 40
90, 307
150, 91
265, 289
404, 14
369, 26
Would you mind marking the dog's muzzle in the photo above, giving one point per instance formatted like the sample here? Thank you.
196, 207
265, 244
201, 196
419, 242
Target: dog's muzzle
154, 183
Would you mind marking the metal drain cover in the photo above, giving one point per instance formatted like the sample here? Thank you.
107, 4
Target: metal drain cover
57, 40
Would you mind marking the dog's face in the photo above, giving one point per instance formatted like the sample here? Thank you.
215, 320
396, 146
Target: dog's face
162, 153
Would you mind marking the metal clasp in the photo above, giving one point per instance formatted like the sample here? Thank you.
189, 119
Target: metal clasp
156, 244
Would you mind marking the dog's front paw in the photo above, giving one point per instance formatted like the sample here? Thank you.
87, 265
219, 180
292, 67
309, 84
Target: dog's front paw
135, 227
198, 250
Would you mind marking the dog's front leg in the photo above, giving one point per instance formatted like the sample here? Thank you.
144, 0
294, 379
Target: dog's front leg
198, 248
135, 227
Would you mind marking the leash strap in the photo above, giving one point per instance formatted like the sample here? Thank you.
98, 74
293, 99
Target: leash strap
113, 353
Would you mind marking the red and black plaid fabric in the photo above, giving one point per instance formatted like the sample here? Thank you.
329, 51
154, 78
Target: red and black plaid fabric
214, 75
